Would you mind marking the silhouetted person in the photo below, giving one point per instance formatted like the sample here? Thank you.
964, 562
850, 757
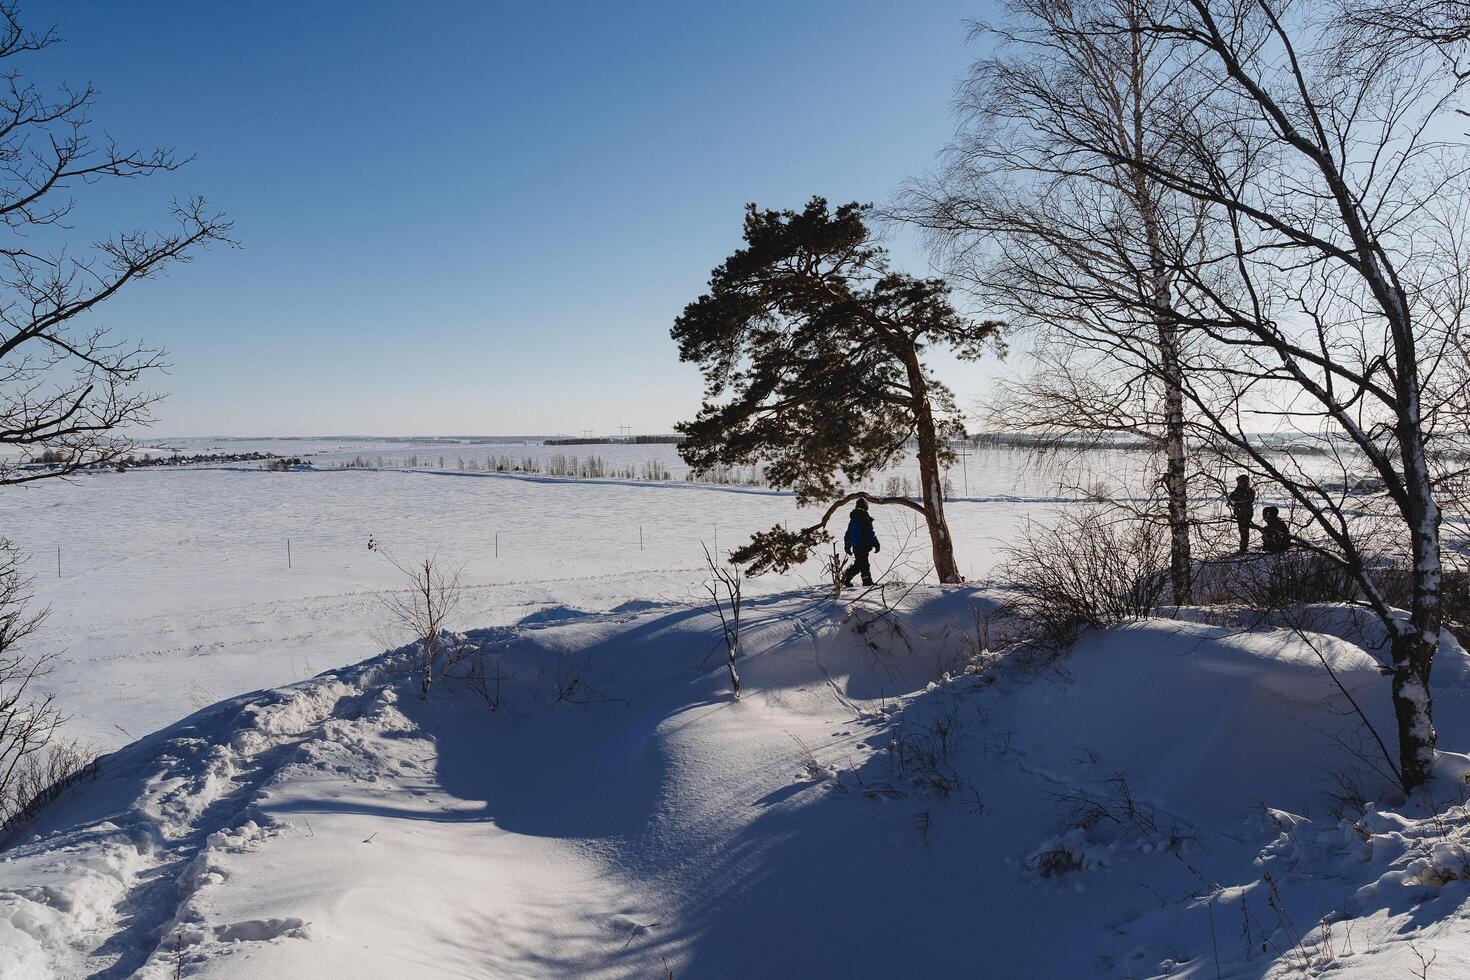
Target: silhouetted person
1275, 535
860, 540
1242, 502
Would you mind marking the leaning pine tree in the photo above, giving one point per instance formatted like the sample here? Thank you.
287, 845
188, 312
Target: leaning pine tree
811, 351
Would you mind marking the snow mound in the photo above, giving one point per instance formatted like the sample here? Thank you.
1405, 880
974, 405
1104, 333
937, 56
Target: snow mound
873, 805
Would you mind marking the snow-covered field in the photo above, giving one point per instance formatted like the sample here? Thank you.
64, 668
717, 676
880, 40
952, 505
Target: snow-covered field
174, 589
1156, 803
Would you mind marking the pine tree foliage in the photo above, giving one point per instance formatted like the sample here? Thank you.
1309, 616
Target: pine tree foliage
779, 549
812, 354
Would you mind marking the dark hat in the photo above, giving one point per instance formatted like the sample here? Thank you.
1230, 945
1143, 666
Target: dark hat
861, 504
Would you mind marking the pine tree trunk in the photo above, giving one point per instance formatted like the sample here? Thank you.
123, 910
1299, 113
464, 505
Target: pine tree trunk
931, 481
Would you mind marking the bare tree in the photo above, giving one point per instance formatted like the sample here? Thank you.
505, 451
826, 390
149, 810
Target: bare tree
1042, 210
1310, 231
422, 608
724, 590
66, 385
1411, 28
1317, 291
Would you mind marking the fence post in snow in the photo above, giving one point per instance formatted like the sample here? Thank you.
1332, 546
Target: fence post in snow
288, 552
497, 544
58, 561
640, 537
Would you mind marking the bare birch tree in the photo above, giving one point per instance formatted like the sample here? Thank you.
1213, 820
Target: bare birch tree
1412, 28
1318, 292
1042, 210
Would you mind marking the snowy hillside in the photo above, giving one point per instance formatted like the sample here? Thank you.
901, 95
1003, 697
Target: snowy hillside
885, 799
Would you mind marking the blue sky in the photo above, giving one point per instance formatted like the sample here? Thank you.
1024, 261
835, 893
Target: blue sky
467, 217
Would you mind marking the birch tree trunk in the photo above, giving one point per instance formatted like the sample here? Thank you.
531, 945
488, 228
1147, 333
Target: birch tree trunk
1176, 478
1171, 374
1170, 366
1414, 648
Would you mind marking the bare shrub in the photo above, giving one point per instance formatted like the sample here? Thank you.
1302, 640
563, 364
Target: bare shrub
1054, 861
724, 590
1087, 571
569, 681
484, 676
984, 644
813, 768
1096, 823
42, 777
1348, 799
1116, 805
921, 753
834, 566
422, 608
1425, 963
879, 623
1274, 583
34, 766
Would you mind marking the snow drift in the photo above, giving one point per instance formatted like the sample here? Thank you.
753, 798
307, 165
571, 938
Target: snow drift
884, 800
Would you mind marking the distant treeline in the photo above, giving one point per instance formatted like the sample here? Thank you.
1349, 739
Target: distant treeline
609, 441
55, 459
193, 459
1296, 444
1024, 440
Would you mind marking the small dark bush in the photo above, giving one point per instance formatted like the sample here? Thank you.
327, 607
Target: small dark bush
1087, 571
1272, 583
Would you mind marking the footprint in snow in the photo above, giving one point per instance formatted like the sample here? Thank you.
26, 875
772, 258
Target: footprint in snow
260, 930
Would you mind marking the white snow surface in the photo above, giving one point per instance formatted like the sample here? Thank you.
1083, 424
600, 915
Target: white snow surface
1157, 802
857, 812
174, 591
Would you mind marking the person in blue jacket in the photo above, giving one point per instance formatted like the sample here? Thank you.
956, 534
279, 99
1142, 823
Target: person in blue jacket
860, 540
